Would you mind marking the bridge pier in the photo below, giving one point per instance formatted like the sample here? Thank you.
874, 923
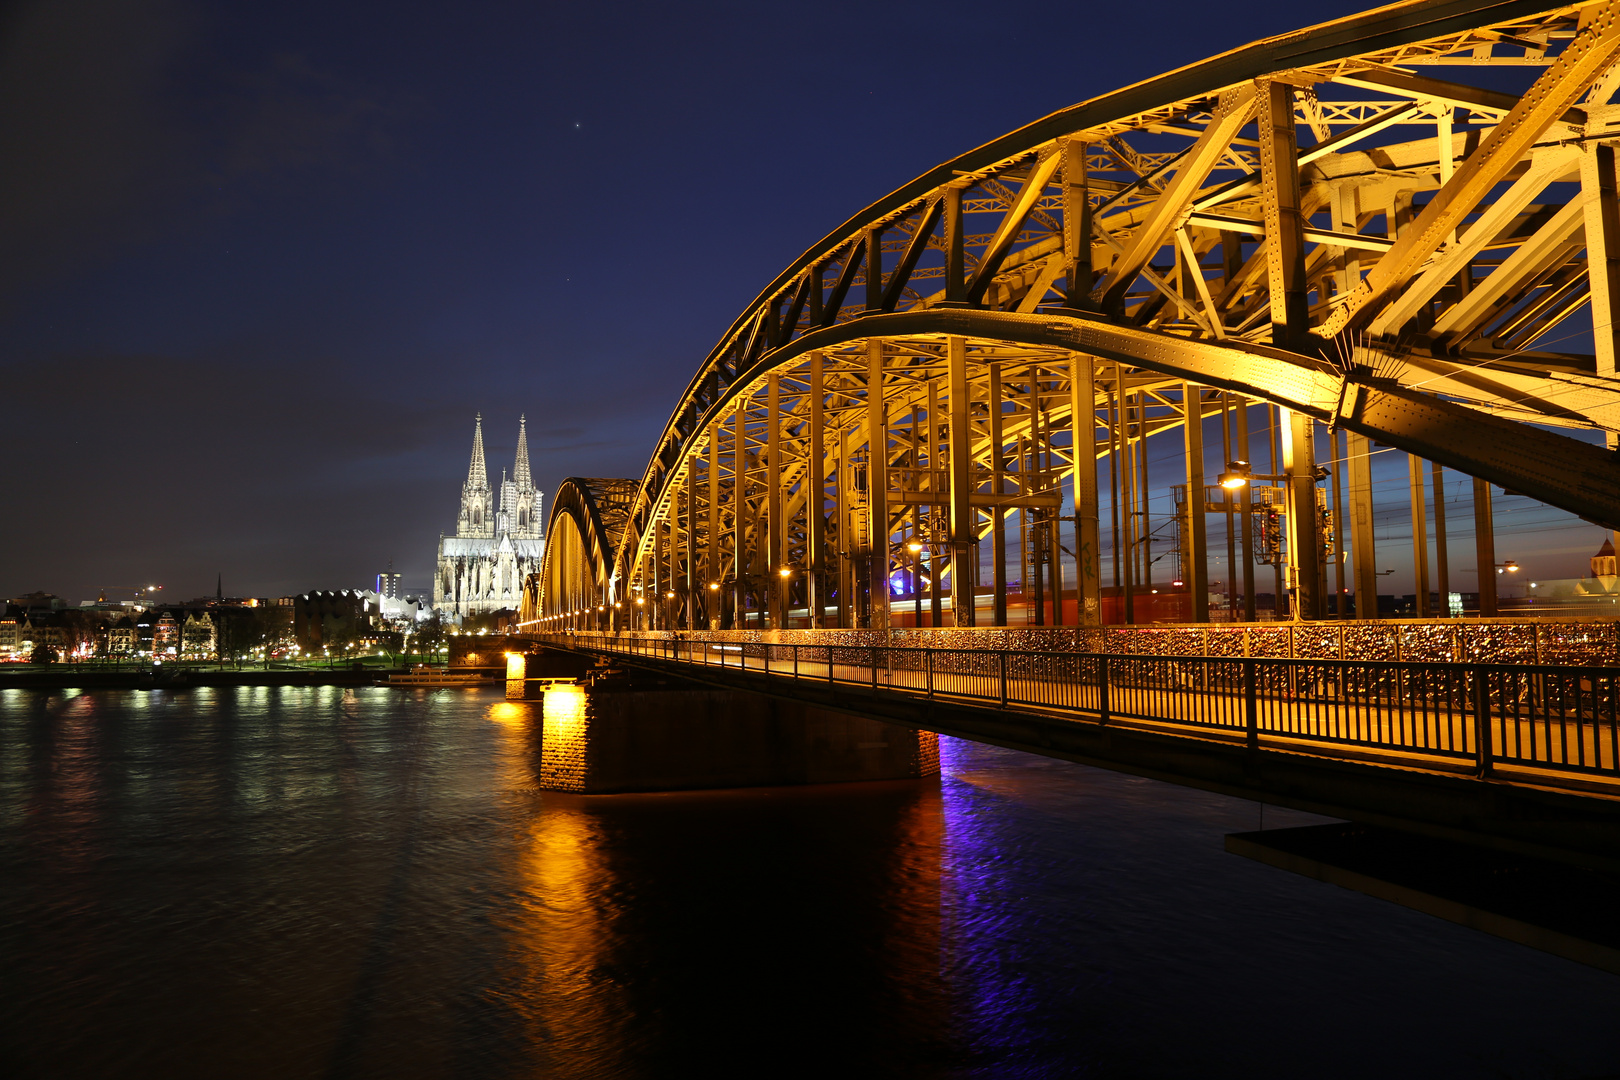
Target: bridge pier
634, 731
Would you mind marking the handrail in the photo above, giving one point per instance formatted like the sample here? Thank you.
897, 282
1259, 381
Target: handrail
1539, 723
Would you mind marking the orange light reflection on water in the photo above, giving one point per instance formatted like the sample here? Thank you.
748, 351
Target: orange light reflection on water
509, 712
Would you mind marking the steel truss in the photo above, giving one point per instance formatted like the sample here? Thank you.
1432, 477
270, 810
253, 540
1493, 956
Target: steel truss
1317, 221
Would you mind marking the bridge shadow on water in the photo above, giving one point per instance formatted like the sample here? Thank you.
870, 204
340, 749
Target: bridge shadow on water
307, 882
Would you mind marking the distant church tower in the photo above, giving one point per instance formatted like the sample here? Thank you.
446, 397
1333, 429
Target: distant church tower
497, 543
477, 508
524, 507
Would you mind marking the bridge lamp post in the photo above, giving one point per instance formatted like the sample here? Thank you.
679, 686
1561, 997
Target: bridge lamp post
784, 603
1507, 567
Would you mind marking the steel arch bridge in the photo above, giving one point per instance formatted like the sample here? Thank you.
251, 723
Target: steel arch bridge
1349, 232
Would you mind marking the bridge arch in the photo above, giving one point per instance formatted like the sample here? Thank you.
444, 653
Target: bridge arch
1304, 221
576, 580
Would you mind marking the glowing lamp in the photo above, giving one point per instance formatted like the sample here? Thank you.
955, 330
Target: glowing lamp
1236, 475
714, 586
914, 547
671, 594
786, 571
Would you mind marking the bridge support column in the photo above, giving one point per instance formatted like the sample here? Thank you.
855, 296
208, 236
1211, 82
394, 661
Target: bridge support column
1087, 550
815, 502
1245, 509
777, 582
877, 489
1420, 536
1196, 572
739, 522
1442, 564
998, 514
712, 597
1485, 547
1305, 534
964, 533
1363, 558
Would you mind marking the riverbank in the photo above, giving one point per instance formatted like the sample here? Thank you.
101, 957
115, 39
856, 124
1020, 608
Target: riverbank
66, 678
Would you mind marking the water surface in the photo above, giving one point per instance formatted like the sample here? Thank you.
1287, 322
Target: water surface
320, 882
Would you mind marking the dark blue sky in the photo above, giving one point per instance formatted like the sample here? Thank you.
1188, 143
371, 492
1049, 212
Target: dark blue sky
262, 263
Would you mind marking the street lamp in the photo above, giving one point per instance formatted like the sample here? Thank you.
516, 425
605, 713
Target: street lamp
1236, 475
1507, 566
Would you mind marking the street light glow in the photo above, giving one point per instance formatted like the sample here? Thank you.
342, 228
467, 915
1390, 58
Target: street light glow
1236, 475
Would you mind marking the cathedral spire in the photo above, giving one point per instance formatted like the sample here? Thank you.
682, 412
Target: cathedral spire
520, 474
477, 474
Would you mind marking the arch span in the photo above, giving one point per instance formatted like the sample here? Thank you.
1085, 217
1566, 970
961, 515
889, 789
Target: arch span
1338, 222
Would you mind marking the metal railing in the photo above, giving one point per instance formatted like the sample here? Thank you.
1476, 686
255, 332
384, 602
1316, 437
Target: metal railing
1480, 718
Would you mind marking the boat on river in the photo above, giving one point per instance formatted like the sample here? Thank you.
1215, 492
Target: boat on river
422, 675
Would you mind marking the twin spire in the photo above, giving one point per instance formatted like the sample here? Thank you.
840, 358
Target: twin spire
515, 509
478, 471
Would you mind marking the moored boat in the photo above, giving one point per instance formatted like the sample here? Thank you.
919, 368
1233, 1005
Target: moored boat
422, 675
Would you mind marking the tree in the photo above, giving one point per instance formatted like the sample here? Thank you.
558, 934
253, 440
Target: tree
42, 654
83, 631
430, 633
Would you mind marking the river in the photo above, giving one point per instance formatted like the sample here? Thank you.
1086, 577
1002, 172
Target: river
326, 882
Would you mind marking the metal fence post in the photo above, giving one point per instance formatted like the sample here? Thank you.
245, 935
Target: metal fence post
795, 661
1251, 705
873, 650
1001, 658
1104, 705
1482, 724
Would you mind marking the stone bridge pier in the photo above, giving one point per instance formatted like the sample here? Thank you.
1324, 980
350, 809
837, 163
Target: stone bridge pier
617, 730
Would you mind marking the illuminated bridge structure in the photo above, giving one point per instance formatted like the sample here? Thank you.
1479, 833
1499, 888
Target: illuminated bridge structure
1399, 228
1341, 235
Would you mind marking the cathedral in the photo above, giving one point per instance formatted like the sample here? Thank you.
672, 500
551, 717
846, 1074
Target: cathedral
497, 544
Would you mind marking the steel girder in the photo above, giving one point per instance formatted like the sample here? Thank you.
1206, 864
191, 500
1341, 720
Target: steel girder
1324, 182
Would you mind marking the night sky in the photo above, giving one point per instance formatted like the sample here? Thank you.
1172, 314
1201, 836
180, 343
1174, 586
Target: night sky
263, 263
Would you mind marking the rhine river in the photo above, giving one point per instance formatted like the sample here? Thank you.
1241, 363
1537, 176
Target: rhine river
272, 882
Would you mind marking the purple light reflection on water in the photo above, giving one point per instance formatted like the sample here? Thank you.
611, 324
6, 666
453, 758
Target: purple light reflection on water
1092, 924
990, 949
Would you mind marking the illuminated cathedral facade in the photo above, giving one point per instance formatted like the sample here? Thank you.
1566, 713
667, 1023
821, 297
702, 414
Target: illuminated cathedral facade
498, 540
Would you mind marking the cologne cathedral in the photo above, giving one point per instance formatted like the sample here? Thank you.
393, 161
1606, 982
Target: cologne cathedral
497, 544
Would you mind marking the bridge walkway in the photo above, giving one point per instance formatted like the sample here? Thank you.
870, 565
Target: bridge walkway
1537, 725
